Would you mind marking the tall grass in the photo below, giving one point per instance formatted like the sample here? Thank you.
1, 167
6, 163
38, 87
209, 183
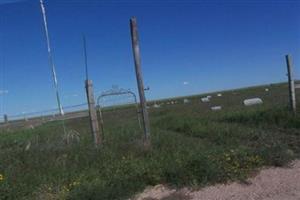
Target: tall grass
190, 147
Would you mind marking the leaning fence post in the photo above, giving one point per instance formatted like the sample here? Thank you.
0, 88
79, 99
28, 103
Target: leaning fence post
139, 77
291, 80
5, 119
93, 113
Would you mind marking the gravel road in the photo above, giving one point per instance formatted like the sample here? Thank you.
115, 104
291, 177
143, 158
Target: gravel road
268, 184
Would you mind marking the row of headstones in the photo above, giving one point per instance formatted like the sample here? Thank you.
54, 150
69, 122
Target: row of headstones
246, 102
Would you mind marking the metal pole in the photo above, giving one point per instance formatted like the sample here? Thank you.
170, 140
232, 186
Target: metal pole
139, 77
85, 58
91, 100
101, 120
50, 57
137, 110
100, 117
291, 80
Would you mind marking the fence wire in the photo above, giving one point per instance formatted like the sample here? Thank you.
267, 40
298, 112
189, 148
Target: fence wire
120, 112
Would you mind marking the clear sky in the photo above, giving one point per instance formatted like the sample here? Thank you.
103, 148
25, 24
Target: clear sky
187, 46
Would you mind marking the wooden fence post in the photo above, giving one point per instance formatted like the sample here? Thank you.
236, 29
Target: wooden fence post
93, 113
291, 80
5, 119
139, 77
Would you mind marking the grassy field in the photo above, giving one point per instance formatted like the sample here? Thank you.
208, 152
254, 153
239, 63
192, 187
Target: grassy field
191, 146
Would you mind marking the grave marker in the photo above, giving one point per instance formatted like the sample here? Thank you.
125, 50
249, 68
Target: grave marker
215, 108
253, 101
186, 101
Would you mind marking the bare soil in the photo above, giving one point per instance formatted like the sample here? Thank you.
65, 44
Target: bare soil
269, 184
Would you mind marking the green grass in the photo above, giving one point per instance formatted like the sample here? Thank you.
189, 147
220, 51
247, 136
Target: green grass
191, 146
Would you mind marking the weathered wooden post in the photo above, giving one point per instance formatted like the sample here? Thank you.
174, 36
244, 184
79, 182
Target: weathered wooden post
139, 78
291, 80
93, 113
5, 119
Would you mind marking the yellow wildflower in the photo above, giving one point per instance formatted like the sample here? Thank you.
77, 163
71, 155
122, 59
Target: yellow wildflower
1, 177
71, 185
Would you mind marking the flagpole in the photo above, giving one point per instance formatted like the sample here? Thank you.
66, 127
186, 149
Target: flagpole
51, 62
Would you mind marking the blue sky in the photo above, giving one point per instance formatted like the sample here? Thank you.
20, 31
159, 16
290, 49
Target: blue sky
187, 47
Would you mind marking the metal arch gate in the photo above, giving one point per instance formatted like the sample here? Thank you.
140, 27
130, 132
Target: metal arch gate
116, 91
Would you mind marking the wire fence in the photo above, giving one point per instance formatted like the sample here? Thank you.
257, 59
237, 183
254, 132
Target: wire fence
40, 117
120, 111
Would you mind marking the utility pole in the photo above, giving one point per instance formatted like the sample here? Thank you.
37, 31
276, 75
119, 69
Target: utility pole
139, 78
291, 80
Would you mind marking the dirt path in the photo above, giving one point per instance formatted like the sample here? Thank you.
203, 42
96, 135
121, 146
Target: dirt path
269, 184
